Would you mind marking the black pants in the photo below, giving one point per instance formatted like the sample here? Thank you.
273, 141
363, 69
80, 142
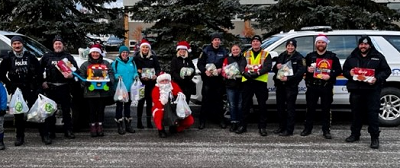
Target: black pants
365, 103
149, 102
314, 92
251, 88
19, 120
126, 107
62, 96
96, 109
286, 96
212, 103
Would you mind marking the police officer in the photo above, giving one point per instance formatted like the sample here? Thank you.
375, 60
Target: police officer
255, 78
287, 86
213, 84
23, 70
57, 87
365, 93
320, 86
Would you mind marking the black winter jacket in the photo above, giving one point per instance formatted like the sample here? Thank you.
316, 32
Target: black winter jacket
298, 65
241, 61
335, 71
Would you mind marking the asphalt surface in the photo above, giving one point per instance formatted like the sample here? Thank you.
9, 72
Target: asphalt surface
211, 147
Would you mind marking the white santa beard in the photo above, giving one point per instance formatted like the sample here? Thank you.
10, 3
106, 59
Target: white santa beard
165, 90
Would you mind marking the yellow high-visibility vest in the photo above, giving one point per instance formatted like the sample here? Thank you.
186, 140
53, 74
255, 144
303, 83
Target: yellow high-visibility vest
256, 60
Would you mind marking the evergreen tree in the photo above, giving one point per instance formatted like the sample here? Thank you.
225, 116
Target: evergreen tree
340, 14
44, 19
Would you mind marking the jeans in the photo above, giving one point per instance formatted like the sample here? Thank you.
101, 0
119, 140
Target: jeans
1, 124
235, 104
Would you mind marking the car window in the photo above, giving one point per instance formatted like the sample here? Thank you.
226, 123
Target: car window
4, 48
394, 40
270, 40
342, 46
305, 45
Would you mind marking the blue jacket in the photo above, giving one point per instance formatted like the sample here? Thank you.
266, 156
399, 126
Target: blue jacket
127, 70
3, 98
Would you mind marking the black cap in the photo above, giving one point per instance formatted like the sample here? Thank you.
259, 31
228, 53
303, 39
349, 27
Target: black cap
215, 35
293, 42
365, 39
58, 38
17, 38
257, 37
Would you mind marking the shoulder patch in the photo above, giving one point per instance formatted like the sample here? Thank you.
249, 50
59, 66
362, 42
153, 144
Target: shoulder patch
304, 61
201, 54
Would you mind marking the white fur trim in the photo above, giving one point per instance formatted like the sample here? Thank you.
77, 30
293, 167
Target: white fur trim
181, 47
163, 76
322, 38
95, 49
145, 44
155, 110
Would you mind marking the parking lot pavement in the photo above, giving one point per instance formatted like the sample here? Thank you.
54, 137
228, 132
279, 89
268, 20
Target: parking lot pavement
211, 147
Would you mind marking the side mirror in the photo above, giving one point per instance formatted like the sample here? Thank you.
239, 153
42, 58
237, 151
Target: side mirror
274, 54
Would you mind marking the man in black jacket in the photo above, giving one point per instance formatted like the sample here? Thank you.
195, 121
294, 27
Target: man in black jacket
320, 84
57, 87
365, 89
287, 86
21, 69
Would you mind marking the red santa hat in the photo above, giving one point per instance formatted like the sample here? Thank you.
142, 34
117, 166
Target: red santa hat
183, 45
163, 76
95, 48
322, 37
144, 42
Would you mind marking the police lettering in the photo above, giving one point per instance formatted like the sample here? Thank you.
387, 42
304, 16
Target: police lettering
21, 63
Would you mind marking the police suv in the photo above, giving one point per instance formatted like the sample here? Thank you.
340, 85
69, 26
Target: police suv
342, 42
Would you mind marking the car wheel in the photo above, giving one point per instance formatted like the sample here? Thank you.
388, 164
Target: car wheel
389, 114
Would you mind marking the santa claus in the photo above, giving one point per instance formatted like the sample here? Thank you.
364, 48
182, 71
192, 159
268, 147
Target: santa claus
160, 94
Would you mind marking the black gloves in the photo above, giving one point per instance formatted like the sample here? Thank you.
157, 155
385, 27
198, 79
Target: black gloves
254, 75
250, 75
247, 75
2, 112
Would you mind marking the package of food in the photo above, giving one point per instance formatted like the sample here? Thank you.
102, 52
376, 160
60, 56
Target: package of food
212, 68
232, 71
286, 70
148, 72
363, 74
322, 67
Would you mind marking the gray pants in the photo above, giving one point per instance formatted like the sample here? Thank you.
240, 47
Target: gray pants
1, 124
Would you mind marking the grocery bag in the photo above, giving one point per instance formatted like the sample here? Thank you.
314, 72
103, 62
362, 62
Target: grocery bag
182, 108
121, 94
17, 103
42, 109
137, 91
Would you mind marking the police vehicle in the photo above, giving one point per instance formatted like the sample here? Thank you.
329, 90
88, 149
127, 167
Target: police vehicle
342, 42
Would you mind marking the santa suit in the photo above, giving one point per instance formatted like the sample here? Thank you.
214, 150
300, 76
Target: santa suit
158, 109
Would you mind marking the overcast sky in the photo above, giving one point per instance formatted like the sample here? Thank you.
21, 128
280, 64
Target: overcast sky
115, 4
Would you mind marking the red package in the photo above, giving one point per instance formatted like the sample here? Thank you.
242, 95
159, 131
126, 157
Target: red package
363, 74
63, 67
322, 67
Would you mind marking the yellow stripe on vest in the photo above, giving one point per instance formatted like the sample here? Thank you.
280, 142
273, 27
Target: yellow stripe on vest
258, 60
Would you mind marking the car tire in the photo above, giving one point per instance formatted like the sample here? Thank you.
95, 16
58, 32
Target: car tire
389, 114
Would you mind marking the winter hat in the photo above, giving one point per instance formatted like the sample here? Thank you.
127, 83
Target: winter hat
122, 49
17, 38
322, 37
163, 76
365, 39
97, 48
215, 35
183, 45
58, 38
257, 37
144, 42
293, 42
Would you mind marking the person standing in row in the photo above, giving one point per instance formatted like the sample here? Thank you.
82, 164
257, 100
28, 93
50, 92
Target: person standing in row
96, 67
148, 69
233, 84
210, 66
22, 69
287, 86
3, 108
255, 78
56, 85
182, 69
365, 93
125, 69
320, 83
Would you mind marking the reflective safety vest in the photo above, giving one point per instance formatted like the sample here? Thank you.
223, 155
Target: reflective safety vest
256, 61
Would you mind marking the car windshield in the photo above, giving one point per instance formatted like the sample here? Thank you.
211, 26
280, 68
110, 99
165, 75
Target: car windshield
33, 46
270, 40
114, 39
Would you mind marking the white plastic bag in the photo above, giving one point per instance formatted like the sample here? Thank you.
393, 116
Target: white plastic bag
137, 91
42, 109
121, 94
182, 108
232, 70
286, 70
17, 104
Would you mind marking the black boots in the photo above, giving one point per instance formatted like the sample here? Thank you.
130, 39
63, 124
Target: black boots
93, 130
139, 123
241, 129
128, 125
327, 134
149, 125
234, 127
19, 141
202, 125
162, 133
67, 134
375, 141
46, 139
263, 132
2, 146
278, 131
120, 126
100, 130
353, 138
305, 132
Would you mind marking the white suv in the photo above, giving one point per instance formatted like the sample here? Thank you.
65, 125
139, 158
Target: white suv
342, 42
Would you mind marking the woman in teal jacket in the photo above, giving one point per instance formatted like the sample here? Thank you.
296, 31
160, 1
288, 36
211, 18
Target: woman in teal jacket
124, 68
